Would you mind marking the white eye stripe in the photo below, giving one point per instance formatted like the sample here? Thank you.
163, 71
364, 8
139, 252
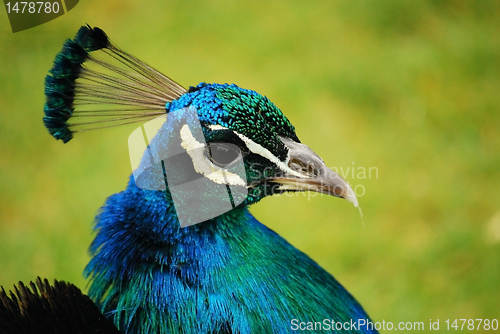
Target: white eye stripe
204, 166
263, 152
216, 127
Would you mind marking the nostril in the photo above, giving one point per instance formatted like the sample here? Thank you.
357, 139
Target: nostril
297, 165
308, 169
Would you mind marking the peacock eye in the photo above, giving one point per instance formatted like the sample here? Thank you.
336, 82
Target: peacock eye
223, 154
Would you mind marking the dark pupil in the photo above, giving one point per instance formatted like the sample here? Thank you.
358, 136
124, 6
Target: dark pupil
224, 153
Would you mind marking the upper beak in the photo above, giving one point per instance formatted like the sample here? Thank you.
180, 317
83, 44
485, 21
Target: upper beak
309, 172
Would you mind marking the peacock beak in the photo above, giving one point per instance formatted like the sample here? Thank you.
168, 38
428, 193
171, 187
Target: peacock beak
308, 172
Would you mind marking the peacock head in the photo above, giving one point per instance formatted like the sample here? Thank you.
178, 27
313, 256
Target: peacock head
235, 143
240, 125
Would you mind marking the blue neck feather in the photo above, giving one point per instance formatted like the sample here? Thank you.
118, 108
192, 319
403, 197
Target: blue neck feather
229, 274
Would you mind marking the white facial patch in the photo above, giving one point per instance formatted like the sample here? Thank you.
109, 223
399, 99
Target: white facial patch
204, 166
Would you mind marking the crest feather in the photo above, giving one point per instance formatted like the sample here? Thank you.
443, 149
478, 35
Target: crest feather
94, 85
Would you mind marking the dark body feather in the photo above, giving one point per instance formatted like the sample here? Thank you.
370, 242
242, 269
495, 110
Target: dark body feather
45, 309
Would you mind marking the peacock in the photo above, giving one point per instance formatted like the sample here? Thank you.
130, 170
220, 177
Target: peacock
178, 251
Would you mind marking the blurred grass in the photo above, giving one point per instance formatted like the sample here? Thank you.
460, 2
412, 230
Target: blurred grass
408, 87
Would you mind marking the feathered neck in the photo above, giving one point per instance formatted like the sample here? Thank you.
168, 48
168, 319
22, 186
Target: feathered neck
148, 275
142, 258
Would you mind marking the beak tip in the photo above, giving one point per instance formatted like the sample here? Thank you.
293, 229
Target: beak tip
351, 197
354, 201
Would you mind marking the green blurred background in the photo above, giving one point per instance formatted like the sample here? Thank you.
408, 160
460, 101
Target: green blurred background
409, 87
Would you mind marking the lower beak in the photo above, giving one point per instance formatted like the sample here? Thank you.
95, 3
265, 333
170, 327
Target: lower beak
311, 174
